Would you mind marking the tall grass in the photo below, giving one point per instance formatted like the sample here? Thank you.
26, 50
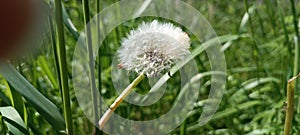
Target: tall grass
62, 66
86, 11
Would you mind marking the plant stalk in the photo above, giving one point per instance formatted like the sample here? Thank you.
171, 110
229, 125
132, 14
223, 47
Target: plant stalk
290, 105
296, 29
296, 58
86, 16
119, 100
86, 11
295, 18
255, 52
296, 65
98, 132
63, 76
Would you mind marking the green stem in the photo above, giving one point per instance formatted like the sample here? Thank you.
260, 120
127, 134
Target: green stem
119, 100
86, 11
296, 56
270, 12
52, 32
294, 17
290, 105
286, 37
255, 47
183, 128
289, 63
296, 37
296, 59
296, 29
99, 63
63, 78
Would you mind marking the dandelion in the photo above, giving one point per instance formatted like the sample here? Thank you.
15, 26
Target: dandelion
153, 47
149, 50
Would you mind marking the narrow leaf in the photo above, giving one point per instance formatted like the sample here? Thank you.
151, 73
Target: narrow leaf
42, 62
45, 107
13, 121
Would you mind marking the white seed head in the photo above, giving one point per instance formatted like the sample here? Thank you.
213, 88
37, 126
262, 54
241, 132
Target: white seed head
153, 47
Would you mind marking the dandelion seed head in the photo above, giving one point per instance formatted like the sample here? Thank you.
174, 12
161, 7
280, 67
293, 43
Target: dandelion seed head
153, 48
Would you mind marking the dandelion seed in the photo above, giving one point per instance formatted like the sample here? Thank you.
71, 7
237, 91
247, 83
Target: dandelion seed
153, 48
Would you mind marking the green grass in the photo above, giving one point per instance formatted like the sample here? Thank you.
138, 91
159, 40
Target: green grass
259, 46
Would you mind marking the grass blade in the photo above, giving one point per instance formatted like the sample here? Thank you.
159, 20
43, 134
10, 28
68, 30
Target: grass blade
86, 11
62, 63
42, 62
13, 121
227, 113
17, 101
45, 107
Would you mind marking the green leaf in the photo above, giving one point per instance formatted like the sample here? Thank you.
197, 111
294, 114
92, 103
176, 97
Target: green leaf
250, 84
259, 132
45, 107
42, 62
4, 98
13, 121
246, 18
227, 113
16, 101
67, 21
235, 109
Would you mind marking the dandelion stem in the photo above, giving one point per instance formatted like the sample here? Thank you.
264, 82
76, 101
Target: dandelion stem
290, 105
119, 100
